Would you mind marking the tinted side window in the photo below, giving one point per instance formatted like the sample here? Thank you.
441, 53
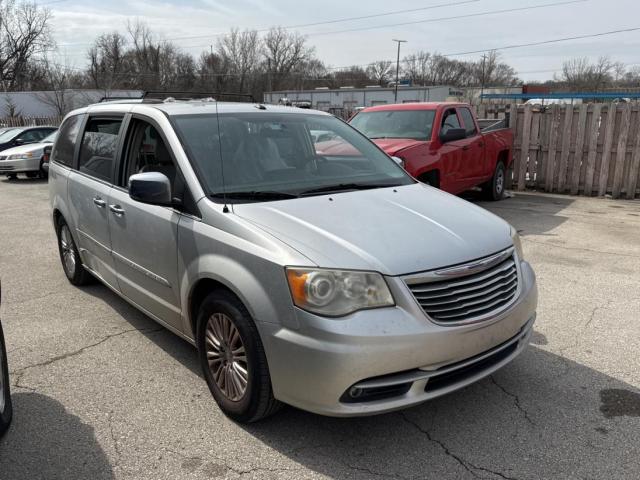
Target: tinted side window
469, 124
66, 141
98, 149
149, 154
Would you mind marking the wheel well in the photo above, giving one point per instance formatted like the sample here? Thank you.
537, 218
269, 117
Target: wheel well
503, 157
432, 177
56, 216
199, 292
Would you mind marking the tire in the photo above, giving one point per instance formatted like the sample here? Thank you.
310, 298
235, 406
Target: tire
69, 256
6, 409
494, 188
12, 176
223, 323
33, 174
42, 173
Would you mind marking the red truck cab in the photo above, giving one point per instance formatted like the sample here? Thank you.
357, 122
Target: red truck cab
441, 144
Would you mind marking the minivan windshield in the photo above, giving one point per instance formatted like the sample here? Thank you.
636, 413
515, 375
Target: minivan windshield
265, 156
412, 124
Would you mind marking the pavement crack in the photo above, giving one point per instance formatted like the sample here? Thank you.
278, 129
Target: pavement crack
516, 400
466, 464
21, 371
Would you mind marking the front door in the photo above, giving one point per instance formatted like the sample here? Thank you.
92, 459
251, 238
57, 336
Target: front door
144, 237
89, 189
474, 157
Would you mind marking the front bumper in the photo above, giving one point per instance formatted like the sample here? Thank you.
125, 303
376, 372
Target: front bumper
20, 166
315, 366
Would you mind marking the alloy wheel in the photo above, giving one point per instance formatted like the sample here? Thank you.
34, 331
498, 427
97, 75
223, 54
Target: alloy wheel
226, 356
500, 181
68, 251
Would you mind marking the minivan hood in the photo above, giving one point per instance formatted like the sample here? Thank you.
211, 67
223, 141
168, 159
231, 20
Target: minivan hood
394, 231
392, 146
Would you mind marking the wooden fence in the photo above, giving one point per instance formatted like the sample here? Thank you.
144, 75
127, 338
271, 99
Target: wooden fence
29, 121
588, 149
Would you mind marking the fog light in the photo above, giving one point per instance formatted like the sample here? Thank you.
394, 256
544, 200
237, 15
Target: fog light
355, 392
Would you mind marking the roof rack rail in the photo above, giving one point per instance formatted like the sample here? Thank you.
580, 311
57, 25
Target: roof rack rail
114, 99
161, 95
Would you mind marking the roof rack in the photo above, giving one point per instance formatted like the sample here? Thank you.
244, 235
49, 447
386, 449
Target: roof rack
154, 95
117, 98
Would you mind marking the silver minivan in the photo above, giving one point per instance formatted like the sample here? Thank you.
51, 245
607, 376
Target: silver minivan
306, 271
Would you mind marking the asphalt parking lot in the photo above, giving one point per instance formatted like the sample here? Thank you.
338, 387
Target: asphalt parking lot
102, 392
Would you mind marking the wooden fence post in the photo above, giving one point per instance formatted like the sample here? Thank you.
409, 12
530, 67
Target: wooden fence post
566, 145
524, 148
551, 159
596, 121
634, 170
577, 158
606, 149
621, 153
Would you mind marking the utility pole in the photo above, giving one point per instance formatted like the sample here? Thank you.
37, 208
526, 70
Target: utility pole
398, 68
484, 59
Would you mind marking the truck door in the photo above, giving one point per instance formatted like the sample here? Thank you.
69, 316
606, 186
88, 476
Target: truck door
473, 149
452, 175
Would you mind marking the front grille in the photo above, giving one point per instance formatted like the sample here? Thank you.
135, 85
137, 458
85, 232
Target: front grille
490, 286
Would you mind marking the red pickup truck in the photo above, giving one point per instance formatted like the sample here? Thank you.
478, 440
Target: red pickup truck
442, 144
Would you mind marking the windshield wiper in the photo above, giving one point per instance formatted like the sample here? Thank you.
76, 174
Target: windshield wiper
345, 187
254, 195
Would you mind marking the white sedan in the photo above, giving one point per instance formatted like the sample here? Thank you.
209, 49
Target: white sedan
26, 159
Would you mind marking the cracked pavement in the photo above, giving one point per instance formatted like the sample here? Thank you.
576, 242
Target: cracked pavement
100, 391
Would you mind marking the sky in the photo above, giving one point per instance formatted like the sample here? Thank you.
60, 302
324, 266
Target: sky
77, 23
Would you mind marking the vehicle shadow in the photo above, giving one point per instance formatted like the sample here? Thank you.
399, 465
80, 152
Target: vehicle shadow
530, 214
46, 441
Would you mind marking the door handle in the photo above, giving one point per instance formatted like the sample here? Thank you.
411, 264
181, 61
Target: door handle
117, 210
466, 147
99, 202
481, 144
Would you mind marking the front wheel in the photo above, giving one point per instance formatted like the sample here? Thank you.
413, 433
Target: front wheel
494, 188
6, 410
32, 174
42, 173
233, 360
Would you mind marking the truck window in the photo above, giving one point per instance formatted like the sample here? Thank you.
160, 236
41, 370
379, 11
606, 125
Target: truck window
449, 121
469, 124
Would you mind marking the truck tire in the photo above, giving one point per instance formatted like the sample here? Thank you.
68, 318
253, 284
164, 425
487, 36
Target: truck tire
494, 188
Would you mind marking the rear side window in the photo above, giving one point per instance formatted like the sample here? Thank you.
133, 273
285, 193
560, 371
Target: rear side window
66, 144
469, 125
98, 149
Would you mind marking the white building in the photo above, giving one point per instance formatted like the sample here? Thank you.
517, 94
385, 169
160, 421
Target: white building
349, 98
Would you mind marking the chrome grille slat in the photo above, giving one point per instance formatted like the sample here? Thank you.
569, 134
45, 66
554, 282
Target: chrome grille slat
467, 296
441, 284
501, 279
500, 288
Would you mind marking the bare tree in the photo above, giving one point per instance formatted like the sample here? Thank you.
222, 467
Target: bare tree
580, 74
24, 33
107, 61
59, 94
11, 108
380, 71
240, 51
284, 51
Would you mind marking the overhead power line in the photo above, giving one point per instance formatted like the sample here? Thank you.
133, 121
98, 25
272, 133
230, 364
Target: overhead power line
325, 22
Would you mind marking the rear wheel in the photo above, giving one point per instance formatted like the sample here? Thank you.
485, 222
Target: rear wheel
494, 188
233, 360
6, 410
70, 258
12, 176
32, 174
42, 173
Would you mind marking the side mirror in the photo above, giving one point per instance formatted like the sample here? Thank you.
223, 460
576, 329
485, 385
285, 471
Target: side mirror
150, 187
453, 134
19, 141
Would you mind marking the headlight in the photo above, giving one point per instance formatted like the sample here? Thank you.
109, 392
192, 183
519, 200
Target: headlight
335, 293
20, 156
515, 238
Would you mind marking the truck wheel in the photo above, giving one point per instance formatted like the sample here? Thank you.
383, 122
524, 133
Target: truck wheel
233, 359
494, 188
